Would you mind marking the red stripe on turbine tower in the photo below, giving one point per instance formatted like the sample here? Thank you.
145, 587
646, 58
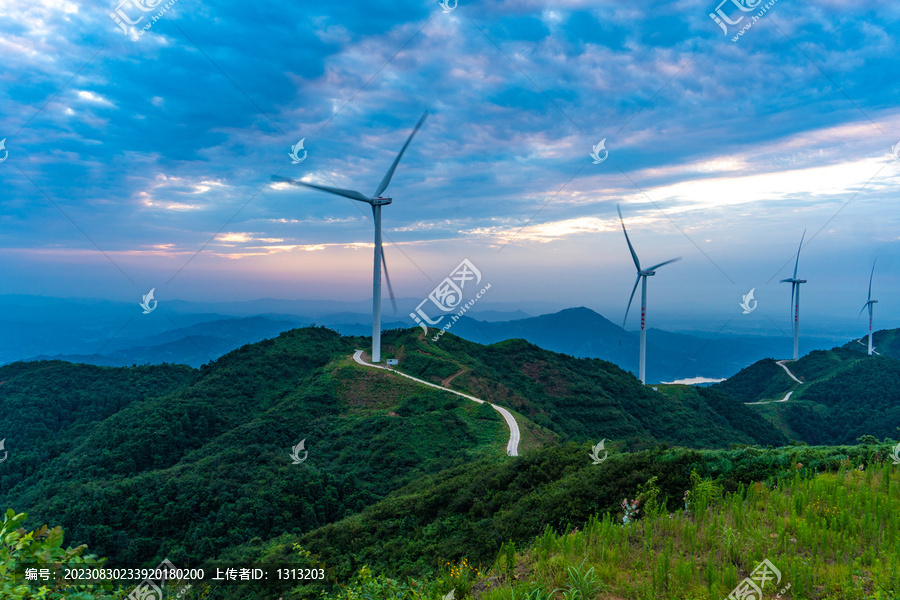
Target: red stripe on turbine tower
642, 275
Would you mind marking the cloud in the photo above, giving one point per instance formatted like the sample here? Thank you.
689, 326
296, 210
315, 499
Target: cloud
168, 143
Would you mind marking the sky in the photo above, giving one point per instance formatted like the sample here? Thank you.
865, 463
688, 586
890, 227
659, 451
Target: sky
142, 156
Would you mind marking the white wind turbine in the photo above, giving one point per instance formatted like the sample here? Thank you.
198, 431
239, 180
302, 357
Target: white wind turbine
642, 275
376, 201
795, 298
869, 304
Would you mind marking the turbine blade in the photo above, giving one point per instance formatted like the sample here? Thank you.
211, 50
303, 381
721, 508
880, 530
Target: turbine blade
353, 195
870, 279
637, 263
387, 278
866, 305
387, 178
633, 290
797, 262
662, 264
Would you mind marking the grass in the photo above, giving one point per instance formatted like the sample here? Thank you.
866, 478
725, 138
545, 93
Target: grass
831, 536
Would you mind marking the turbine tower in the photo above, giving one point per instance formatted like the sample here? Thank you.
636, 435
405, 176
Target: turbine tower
376, 201
642, 275
869, 304
795, 298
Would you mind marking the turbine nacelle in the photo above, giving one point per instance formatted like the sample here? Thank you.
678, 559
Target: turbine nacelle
381, 201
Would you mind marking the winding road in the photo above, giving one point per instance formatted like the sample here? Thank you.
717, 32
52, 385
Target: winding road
512, 448
785, 399
781, 364
786, 370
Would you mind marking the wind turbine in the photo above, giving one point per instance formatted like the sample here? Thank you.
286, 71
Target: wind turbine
642, 275
795, 298
376, 201
869, 304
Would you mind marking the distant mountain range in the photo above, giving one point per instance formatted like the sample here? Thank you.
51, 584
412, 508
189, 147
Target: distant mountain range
117, 334
583, 333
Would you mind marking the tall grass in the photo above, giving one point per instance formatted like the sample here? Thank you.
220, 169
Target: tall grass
832, 536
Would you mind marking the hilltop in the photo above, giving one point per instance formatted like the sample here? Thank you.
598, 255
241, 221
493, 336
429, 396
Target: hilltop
198, 462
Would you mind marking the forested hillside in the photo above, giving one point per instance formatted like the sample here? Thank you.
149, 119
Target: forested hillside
761, 380
578, 398
475, 511
845, 394
207, 466
191, 462
864, 399
48, 408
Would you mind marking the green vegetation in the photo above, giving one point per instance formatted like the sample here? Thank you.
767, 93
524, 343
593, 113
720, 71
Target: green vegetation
407, 491
830, 535
846, 395
42, 547
863, 399
207, 467
886, 343
763, 380
580, 399
46, 408
472, 510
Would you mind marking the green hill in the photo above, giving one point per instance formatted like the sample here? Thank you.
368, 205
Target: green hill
845, 394
187, 463
193, 465
473, 512
47, 408
886, 342
580, 399
862, 399
207, 466
762, 380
